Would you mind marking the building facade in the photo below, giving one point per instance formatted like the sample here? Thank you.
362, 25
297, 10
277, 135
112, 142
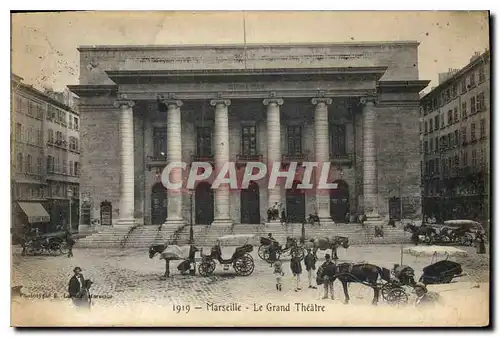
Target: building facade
455, 143
354, 105
44, 156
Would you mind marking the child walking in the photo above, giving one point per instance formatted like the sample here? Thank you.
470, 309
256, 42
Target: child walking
296, 268
278, 271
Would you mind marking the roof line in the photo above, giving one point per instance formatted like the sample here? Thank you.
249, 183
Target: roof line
248, 45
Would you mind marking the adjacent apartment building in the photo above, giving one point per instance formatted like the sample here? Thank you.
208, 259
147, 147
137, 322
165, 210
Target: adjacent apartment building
45, 158
455, 143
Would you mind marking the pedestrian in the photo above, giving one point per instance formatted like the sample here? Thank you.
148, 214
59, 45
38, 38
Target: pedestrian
76, 287
283, 217
273, 248
425, 298
70, 242
480, 242
310, 262
278, 272
296, 267
327, 273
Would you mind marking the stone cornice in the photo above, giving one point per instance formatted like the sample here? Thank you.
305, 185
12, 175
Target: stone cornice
248, 46
414, 86
245, 75
94, 90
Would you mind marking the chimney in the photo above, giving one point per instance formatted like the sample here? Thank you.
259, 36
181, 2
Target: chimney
475, 56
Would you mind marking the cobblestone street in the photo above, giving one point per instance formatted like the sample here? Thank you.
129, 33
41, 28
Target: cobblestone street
130, 276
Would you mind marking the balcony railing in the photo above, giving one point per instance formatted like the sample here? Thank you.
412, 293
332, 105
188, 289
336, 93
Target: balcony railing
296, 157
156, 161
242, 159
202, 158
341, 159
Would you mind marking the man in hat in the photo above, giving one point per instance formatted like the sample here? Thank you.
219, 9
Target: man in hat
327, 271
75, 287
425, 298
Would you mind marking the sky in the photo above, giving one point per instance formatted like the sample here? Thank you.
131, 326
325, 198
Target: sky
44, 45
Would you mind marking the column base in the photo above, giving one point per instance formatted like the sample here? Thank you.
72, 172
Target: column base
174, 223
327, 221
273, 222
126, 222
222, 222
374, 220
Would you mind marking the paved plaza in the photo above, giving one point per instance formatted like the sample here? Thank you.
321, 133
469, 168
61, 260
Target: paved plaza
125, 276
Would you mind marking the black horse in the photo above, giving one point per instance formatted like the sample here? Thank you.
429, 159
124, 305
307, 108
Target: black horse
365, 273
424, 230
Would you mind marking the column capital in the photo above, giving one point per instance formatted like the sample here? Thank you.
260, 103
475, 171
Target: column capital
123, 101
318, 100
368, 100
277, 101
218, 101
172, 102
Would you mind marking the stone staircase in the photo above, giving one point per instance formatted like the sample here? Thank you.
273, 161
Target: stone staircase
206, 236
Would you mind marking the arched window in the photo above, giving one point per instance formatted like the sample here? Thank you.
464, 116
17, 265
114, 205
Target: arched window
19, 162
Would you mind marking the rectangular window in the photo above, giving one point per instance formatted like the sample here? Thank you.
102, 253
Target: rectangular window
204, 142
482, 76
480, 102
448, 96
456, 138
450, 117
431, 145
434, 104
474, 158
482, 128
463, 87
19, 135
442, 120
70, 124
71, 168
39, 163
31, 108
39, 111
426, 147
425, 128
436, 122
295, 140
464, 110
249, 140
75, 123
77, 169
465, 159
472, 79
430, 125
159, 142
464, 135
473, 105
18, 103
65, 167
436, 165
450, 140
454, 91
437, 144
473, 132
455, 114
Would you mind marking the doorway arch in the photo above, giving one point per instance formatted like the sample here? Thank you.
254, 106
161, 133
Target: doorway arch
159, 204
295, 204
250, 204
339, 201
204, 204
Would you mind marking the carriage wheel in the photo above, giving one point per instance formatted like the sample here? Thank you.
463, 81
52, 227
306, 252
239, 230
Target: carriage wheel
206, 267
427, 240
386, 288
397, 296
63, 248
262, 251
54, 249
244, 265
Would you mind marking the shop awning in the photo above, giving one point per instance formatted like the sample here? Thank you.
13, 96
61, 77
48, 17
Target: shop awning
34, 211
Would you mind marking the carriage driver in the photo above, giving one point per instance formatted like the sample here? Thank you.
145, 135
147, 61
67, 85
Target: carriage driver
404, 274
273, 248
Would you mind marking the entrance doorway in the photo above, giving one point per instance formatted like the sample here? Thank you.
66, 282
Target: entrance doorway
159, 204
295, 204
250, 204
204, 204
339, 201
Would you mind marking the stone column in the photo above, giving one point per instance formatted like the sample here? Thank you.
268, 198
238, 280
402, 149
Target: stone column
174, 154
126, 134
370, 188
273, 145
221, 140
321, 150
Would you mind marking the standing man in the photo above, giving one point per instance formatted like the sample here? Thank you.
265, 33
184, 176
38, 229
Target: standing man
70, 242
310, 262
328, 274
75, 286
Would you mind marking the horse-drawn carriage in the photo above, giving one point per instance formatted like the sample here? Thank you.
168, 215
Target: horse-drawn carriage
457, 232
51, 243
241, 260
291, 247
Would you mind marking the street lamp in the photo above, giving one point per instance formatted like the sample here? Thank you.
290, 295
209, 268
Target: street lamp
191, 234
70, 195
400, 200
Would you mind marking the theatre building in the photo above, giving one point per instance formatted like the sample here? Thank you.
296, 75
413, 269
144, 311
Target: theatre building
354, 105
